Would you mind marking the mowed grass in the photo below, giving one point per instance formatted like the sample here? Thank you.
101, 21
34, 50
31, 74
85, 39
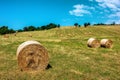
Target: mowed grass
69, 55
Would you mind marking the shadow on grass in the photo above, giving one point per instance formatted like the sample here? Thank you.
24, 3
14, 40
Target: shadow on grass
48, 67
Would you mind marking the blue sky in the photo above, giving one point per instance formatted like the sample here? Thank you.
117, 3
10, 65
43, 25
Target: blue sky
17, 14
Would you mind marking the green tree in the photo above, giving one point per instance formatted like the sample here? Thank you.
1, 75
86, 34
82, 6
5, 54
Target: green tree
11, 31
4, 30
20, 30
43, 27
87, 24
38, 28
49, 26
58, 25
76, 24
52, 25
25, 29
29, 28
113, 23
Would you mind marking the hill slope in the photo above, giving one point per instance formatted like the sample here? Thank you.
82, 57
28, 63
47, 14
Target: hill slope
70, 57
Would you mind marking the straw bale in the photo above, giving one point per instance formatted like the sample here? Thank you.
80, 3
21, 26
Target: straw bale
6, 36
106, 43
32, 55
93, 43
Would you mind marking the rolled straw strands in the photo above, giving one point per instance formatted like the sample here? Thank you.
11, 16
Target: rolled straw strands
106, 43
32, 55
93, 43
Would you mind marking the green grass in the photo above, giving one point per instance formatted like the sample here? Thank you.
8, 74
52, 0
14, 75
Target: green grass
69, 55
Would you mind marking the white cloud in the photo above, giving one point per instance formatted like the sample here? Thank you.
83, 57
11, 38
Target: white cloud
80, 10
111, 21
117, 14
118, 22
106, 11
114, 5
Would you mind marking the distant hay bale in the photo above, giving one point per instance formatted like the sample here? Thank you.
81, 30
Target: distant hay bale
32, 55
93, 43
106, 43
30, 35
15, 34
6, 36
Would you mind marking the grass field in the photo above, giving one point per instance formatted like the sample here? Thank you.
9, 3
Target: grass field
69, 55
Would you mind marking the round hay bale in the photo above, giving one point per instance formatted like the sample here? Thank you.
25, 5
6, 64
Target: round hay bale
30, 35
106, 43
93, 43
32, 55
6, 36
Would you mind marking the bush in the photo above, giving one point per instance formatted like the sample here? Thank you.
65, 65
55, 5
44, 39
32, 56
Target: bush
5, 30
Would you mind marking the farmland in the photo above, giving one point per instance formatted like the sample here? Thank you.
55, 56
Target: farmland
69, 56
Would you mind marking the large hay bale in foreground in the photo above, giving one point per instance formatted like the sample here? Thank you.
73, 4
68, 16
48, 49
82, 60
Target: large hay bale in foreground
106, 43
32, 55
93, 43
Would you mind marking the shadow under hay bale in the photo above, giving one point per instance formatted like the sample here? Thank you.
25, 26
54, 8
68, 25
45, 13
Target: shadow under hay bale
31, 56
48, 66
106, 43
93, 43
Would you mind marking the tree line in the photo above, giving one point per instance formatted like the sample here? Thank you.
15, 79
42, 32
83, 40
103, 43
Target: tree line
6, 30
86, 24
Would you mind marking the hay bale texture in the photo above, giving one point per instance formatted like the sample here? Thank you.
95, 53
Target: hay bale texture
32, 55
93, 43
106, 43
